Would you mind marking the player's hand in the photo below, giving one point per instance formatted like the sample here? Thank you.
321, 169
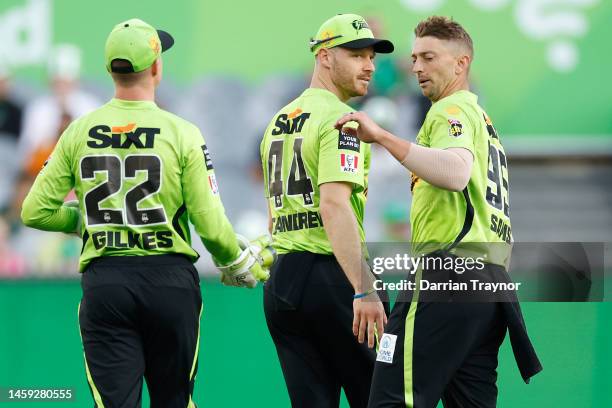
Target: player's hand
240, 271
250, 266
368, 131
75, 204
368, 318
261, 248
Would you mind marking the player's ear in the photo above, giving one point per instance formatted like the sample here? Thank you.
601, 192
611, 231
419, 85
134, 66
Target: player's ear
157, 67
325, 57
463, 64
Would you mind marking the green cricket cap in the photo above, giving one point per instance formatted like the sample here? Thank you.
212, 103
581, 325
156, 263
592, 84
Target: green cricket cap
349, 31
136, 42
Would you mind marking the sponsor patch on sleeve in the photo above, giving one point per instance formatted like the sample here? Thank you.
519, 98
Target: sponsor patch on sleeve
387, 348
212, 182
207, 159
349, 163
348, 140
455, 128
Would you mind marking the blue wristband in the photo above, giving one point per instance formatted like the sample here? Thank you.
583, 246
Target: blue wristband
364, 294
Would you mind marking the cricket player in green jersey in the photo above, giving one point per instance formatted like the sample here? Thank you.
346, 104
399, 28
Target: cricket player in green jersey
434, 350
140, 174
316, 183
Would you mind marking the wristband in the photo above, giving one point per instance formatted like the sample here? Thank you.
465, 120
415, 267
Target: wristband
364, 294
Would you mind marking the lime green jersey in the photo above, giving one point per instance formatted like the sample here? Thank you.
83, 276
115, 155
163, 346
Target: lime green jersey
481, 212
139, 174
301, 150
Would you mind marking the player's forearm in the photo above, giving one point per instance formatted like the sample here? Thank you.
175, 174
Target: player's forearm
396, 146
341, 228
217, 235
449, 169
61, 219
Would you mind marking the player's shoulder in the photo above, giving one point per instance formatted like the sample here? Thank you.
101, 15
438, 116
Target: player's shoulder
85, 120
319, 108
188, 131
334, 106
177, 121
462, 102
322, 104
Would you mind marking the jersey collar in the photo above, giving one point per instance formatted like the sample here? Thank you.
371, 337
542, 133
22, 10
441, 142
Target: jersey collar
128, 104
463, 92
318, 91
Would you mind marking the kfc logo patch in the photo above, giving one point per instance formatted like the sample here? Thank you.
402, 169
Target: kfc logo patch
212, 182
349, 163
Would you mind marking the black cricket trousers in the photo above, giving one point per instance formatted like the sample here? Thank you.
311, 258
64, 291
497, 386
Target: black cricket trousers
308, 303
140, 318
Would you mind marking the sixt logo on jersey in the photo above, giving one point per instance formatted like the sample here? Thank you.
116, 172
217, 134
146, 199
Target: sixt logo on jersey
290, 123
106, 136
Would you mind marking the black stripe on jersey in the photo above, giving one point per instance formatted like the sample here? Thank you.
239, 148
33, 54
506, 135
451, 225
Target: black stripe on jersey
175, 221
85, 238
467, 222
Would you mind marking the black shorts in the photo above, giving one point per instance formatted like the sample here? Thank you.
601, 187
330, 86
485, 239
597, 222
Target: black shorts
308, 302
139, 317
439, 350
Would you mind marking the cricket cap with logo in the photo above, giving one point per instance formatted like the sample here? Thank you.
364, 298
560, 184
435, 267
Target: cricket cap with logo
348, 31
136, 42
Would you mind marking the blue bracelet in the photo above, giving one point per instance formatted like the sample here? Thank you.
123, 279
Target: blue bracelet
364, 294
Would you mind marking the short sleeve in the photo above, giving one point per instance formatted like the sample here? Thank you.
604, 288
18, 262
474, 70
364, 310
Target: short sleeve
451, 127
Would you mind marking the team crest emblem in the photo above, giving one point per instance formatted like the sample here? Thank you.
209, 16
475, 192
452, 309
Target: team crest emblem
455, 128
359, 24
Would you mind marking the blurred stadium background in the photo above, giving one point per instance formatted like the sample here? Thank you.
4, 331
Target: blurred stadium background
542, 73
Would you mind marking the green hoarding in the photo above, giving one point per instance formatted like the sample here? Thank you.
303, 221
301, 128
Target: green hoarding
40, 347
541, 65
